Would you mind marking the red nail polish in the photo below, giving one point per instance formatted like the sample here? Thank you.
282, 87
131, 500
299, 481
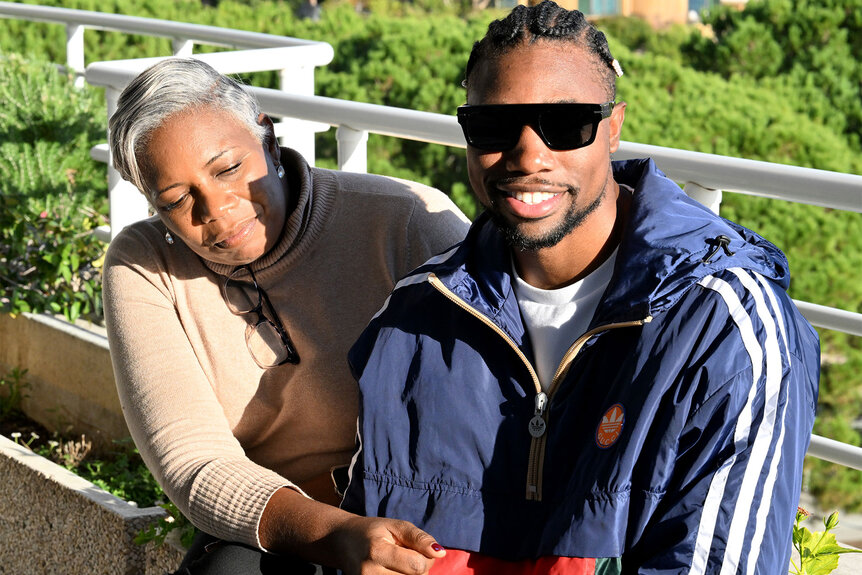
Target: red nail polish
437, 547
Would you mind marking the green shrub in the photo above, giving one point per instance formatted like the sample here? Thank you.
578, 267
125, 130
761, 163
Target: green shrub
52, 195
13, 391
815, 46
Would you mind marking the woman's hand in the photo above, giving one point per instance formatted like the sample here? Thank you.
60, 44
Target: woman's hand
375, 545
357, 545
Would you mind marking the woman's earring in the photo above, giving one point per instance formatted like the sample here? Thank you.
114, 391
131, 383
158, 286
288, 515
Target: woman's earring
169, 238
280, 171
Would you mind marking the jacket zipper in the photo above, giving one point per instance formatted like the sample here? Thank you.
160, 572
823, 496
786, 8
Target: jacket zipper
539, 423
438, 285
537, 447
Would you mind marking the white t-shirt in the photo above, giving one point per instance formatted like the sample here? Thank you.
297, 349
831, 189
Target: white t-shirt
556, 318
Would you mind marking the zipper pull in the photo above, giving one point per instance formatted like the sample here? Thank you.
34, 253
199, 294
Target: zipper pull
537, 424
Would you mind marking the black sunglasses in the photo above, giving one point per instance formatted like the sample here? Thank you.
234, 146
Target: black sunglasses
266, 338
562, 126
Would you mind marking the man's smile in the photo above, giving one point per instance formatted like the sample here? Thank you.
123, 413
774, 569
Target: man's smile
533, 198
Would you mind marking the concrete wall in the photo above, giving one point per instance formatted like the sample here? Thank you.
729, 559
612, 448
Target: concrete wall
69, 372
52, 521
658, 13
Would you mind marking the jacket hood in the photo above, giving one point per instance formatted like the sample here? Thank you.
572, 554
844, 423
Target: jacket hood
668, 243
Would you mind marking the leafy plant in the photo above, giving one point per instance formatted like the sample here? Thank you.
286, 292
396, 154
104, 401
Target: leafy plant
175, 525
813, 46
13, 388
69, 453
124, 474
818, 551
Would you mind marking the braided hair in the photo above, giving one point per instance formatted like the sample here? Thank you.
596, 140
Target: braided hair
546, 20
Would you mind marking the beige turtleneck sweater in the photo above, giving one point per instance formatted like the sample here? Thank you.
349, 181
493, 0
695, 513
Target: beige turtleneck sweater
220, 434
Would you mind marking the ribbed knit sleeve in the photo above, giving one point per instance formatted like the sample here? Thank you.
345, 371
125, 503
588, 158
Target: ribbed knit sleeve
174, 417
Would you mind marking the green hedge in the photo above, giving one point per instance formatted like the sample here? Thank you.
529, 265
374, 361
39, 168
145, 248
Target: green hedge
52, 195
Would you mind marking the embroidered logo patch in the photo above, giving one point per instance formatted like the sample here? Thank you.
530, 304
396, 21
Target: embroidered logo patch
611, 426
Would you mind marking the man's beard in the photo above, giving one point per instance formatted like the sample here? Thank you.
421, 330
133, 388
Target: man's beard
573, 218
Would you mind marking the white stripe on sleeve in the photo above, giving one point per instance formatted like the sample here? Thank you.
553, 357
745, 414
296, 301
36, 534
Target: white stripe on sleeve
762, 441
715, 495
762, 434
776, 313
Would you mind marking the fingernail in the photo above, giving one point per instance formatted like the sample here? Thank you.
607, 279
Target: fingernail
437, 547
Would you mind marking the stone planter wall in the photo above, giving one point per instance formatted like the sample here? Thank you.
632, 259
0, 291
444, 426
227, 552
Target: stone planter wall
52, 521
69, 373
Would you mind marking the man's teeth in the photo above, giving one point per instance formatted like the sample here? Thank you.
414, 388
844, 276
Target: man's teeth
533, 198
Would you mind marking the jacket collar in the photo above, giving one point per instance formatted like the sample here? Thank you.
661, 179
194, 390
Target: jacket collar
664, 250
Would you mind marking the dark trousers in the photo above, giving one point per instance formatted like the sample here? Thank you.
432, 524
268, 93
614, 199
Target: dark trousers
211, 556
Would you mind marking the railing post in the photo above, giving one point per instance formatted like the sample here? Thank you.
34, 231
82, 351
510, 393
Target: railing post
706, 196
352, 149
182, 47
126, 205
75, 52
298, 134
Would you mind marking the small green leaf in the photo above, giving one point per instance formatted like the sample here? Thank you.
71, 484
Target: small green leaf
825, 544
74, 311
821, 565
806, 538
834, 549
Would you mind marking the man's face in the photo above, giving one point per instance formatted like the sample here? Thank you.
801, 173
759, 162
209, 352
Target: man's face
536, 195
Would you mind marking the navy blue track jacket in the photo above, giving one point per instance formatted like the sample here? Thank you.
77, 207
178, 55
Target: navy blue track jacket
671, 439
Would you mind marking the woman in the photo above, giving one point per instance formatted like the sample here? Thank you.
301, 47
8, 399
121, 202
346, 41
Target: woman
229, 318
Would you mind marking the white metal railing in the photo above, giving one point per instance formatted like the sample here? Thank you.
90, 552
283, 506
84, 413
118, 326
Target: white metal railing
295, 59
183, 35
704, 175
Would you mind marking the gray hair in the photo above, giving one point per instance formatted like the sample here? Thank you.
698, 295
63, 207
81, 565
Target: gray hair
172, 86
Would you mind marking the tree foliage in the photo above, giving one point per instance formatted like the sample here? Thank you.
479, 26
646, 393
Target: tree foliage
814, 46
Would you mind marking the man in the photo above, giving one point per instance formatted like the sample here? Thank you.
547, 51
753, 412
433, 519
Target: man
604, 376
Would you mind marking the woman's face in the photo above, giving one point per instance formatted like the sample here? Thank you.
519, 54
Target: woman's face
214, 185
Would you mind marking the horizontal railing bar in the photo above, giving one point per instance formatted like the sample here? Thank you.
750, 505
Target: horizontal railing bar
805, 185
151, 26
791, 183
402, 123
835, 452
831, 318
118, 73
385, 120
